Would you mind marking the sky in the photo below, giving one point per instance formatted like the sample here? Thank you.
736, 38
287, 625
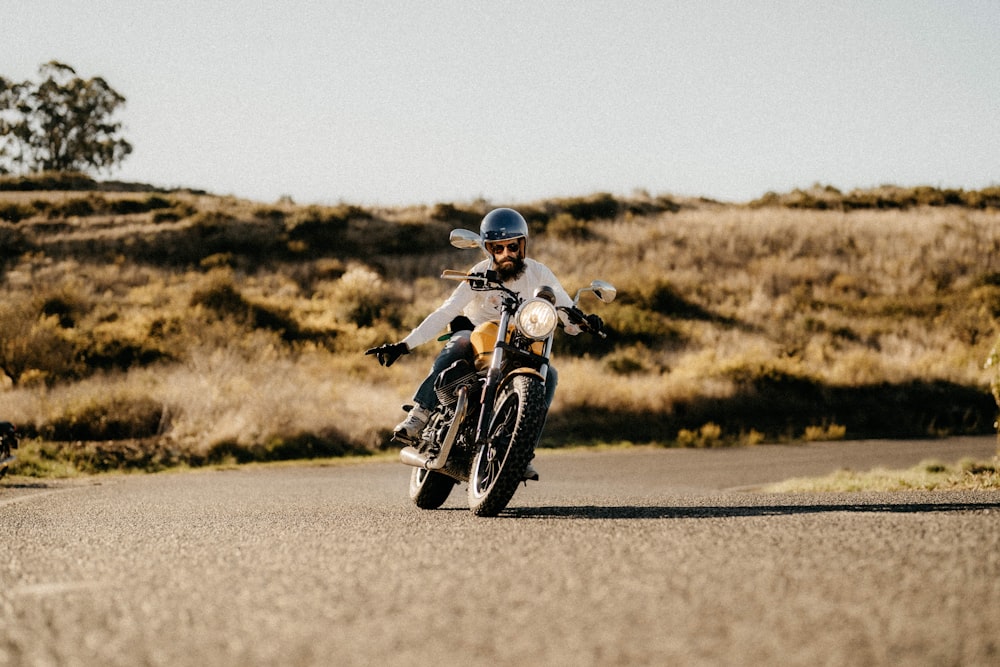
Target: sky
395, 103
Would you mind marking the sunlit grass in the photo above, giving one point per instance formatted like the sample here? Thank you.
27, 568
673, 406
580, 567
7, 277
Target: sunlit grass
967, 475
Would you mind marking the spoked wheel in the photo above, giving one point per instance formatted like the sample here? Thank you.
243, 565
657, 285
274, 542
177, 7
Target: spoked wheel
429, 489
499, 465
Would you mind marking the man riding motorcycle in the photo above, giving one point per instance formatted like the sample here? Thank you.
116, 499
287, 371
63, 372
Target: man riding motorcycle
504, 232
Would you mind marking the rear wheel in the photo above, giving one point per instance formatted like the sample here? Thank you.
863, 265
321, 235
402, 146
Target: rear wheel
429, 489
499, 466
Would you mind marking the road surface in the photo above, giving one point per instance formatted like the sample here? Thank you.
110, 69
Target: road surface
618, 557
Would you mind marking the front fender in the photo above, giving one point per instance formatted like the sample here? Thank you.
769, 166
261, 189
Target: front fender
524, 370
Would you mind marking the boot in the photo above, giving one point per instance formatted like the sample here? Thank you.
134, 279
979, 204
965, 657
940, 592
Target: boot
410, 428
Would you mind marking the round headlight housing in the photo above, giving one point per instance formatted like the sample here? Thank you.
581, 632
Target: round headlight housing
536, 318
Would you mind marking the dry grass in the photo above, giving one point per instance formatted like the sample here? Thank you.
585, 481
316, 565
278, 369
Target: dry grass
966, 475
242, 326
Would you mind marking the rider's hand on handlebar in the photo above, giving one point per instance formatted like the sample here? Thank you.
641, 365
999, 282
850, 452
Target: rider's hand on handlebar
591, 323
594, 324
388, 353
575, 315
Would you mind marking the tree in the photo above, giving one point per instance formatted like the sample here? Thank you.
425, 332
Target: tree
63, 123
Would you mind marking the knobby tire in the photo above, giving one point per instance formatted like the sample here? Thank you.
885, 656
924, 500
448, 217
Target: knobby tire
498, 468
429, 489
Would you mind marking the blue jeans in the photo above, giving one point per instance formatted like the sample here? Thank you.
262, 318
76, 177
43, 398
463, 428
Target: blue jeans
460, 347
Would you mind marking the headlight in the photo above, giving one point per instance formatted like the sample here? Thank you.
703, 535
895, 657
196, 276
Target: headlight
536, 318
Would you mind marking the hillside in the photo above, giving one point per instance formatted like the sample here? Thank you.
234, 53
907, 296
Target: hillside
148, 328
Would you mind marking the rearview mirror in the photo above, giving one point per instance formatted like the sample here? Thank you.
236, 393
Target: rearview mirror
606, 292
463, 238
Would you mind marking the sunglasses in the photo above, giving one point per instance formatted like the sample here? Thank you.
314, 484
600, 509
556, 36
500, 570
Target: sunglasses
498, 248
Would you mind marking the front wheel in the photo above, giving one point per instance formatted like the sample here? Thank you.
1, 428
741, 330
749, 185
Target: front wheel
429, 489
499, 465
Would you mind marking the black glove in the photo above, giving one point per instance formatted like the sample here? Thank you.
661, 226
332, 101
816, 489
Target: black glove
591, 323
388, 353
575, 316
594, 324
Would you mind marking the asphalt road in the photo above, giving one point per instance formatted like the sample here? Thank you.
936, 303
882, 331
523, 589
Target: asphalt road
618, 557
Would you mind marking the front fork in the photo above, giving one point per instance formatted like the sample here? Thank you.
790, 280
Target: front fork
493, 378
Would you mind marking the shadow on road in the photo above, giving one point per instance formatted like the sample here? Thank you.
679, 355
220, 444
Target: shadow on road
714, 512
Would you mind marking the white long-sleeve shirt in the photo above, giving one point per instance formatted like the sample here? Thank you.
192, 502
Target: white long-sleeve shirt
483, 306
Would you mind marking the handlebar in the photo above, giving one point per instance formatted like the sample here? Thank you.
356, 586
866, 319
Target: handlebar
577, 317
490, 280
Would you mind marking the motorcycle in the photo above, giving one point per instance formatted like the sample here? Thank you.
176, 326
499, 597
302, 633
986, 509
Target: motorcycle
491, 411
8, 441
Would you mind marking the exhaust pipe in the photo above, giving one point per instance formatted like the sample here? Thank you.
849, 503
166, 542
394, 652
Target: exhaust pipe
411, 457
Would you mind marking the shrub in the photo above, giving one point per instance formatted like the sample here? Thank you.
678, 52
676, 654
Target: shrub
222, 298
172, 212
219, 260
885, 197
628, 361
309, 274
79, 206
362, 298
155, 202
328, 443
824, 433
709, 435
110, 353
269, 213
212, 232
130, 206
16, 212
100, 417
48, 180
168, 215
33, 347
127, 207
633, 324
12, 242
985, 198
319, 229
601, 206
660, 296
565, 226
381, 237
974, 467
933, 466
536, 217
66, 306
454, 215
766, 375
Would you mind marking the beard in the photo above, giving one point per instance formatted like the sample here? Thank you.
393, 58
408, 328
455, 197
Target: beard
510, 268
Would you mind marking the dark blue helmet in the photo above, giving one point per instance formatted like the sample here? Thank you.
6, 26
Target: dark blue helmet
501, 224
